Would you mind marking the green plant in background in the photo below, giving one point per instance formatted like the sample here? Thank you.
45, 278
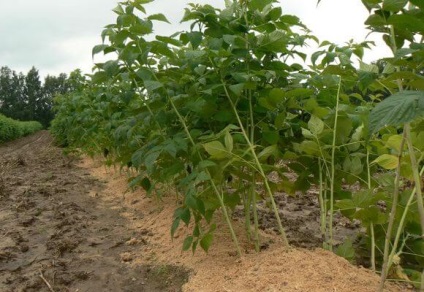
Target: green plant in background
12, 129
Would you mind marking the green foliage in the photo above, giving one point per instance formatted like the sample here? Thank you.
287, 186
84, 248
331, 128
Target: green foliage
211, 111
397, 109
25, 98
12, 129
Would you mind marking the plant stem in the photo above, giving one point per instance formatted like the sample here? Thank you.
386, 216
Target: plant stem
244, 9
333, 167
372, 224
322, 204
386, 264
247, 203
402, 222
372, 247
215, 188
255, 217
417, 178
259, 165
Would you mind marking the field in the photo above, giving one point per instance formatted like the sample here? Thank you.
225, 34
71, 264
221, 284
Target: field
69, 224
226, 158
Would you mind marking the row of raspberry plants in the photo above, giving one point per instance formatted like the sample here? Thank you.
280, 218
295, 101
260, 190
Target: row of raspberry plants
217, 111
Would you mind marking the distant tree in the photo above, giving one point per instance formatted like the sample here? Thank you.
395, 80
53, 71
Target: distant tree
33, 94
26, 98
19, 101
6, 91
52, 86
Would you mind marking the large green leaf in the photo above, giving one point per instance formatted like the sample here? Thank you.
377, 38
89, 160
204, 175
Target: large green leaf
316, 125
216, 149
370, 4
418, 3
394, 5
152, 85
259, 4
158, 17
410, 22
399, 108
387, 161
97, 49
206, 241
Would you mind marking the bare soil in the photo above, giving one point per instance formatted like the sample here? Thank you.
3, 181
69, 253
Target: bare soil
55, 235
70, 224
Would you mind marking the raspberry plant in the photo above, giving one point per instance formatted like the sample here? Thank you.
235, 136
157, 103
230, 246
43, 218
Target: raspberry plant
216, 111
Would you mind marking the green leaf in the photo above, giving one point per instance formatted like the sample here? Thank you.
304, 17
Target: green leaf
267, 152
356, 138
316, 125
399, 108
345, 204
307, 134
276, 96
146, 184
229, 143
372, 214
99, 77
206, 163
394, 142
363, 199
145, 74
258, 4
346, 250
150, 160
409, 22
370, 4
169, 40
309, 147
216, 149
174, 226
237, 89
206, 241
97, 49
418, 3
195, 38
194, 54
142, 27
118, 10
187, 243
158, 17
185, 216
387, 161
152, 85
356, 166
394, 5
275, 13
141, 2
375, 20
271, 137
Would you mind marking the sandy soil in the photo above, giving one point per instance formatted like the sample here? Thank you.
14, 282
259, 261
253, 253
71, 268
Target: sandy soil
73, 225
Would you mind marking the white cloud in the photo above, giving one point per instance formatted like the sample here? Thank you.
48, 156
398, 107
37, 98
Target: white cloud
337, 21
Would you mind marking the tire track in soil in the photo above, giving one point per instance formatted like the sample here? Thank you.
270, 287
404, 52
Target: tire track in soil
54, 230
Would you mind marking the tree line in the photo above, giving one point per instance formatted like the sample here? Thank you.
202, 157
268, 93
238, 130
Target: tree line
25, 97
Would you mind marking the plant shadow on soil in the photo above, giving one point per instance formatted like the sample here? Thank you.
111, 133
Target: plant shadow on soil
55, 236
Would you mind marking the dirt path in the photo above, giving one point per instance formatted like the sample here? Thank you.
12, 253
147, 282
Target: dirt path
54, 231
71, 224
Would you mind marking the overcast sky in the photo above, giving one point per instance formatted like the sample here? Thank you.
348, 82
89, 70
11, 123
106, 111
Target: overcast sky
57, 36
